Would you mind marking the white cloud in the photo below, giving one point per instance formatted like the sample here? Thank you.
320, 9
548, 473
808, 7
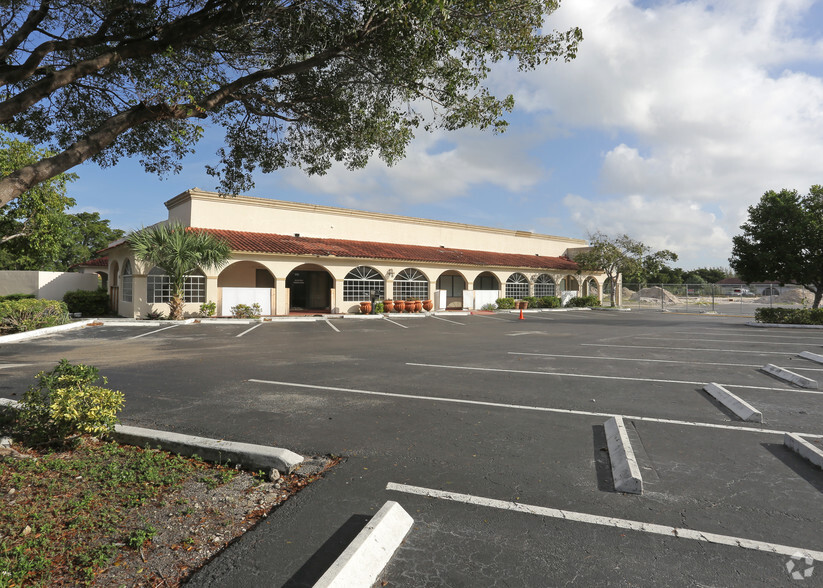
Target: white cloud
438, 166
706, 104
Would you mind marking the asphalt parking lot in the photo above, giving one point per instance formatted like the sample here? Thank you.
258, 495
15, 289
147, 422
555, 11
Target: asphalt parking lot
488, 430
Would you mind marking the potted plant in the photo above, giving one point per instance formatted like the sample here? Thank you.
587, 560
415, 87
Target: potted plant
523, 304
399, 305
388, 305
428, 305
365, 307
418, 305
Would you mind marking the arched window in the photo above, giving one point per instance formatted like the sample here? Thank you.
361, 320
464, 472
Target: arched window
127, 282
544, 286
410, 283
358, 284
159, 287
517, 286
486, 281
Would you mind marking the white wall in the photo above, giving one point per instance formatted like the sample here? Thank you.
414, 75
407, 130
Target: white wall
47, 285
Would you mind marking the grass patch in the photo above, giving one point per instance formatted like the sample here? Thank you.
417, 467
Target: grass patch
60, 511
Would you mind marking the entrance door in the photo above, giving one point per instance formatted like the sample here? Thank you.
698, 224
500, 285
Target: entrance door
309, 290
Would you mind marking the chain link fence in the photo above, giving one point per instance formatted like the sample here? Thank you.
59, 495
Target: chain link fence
701, 298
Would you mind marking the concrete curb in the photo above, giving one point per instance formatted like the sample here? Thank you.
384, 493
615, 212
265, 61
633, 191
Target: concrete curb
365, 557
44, 332
251, 457
811, 356
738, 406
789, 376
784, 326
803, 448
625, 471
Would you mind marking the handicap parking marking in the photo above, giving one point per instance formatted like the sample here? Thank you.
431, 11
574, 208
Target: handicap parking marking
567, 411
155, 331
629, 525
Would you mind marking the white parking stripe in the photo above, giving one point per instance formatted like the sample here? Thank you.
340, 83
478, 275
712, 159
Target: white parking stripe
332, 326
448, 321
531, 408
645, 360
740, 341
491, 318
152, 332
249, 330
13, 365
737, 331
631, 346
599, 377
395, 323
627, 524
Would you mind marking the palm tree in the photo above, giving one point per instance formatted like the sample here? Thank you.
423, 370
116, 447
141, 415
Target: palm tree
178, 251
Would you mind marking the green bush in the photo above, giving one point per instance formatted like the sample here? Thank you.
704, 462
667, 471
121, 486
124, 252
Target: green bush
505, 303
246, 311
379, 308
155, 315
548, 302
208, 309
87, 302
583, 301
489, 306
66, 402
533, 303
16, 297
789, 316
29, 314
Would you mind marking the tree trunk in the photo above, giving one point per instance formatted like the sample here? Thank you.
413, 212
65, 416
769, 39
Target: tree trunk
176, 308
818, 294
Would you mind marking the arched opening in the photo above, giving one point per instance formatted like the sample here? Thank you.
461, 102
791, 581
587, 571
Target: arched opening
114, 289
590, 287
245, 282
487, 281
544, 286
127, 282
570, 283
451, 285
310, 288
517, 286
411, 284
360, 282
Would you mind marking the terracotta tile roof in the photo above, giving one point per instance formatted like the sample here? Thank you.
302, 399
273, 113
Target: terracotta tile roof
97, 262
290, 245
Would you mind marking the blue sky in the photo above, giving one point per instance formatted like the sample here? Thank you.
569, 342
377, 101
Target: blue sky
674, 118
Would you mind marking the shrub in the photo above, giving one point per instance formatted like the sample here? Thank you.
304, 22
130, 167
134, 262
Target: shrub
208, 308
582, 301
489, 306
379, 308
16, 297
531, 300
29, 314
505, 303
246, 311
87, 302
66, 402
548, 302
791, 316
155, 315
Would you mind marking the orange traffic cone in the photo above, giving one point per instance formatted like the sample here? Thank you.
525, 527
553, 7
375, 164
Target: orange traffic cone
521, 315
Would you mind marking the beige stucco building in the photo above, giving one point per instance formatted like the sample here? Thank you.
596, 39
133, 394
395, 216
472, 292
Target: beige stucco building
291, 257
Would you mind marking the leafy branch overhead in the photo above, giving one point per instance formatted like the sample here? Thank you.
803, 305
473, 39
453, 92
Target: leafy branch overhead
292, 82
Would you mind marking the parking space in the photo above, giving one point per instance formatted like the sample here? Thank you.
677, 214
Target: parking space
500, 422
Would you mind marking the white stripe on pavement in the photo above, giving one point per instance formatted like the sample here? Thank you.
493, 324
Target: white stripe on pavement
531, 408
152, 332
744, 341
631, 346
448, 321
13, 365
332, 326
249, 330
395, 323
598, 377
581, 517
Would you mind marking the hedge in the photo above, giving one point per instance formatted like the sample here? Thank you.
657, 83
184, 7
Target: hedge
789, 316
505, 303
29, 314
16, 297
87, 302
581, 301
548, 302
